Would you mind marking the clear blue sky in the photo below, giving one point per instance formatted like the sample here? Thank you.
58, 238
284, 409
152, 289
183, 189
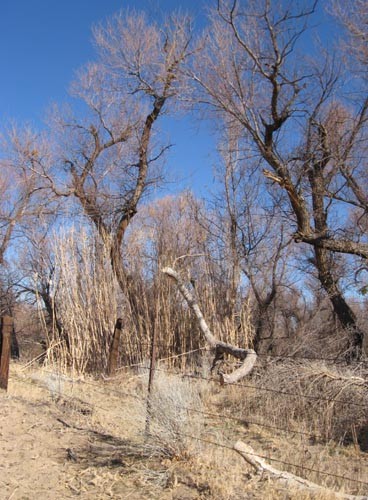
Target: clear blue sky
42, 44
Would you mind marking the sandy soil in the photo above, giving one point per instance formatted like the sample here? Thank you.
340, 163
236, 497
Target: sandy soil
58, 447
33, 451
65, 439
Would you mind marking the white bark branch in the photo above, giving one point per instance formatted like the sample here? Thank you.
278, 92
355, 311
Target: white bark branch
248, 356
287, 478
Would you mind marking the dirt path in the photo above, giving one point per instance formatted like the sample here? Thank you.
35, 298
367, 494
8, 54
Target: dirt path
46, 443
33, 460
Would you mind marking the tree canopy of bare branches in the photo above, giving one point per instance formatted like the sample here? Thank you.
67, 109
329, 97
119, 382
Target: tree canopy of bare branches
254, 75
105, 154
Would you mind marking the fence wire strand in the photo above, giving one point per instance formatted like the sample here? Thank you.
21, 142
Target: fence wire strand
260, 388
215, 443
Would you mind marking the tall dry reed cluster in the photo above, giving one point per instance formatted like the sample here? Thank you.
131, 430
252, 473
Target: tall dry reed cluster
86, 299
84, 296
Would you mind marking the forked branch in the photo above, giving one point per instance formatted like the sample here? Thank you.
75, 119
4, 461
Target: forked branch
247, 356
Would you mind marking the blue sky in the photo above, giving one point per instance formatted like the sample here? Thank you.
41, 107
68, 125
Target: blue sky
43, 43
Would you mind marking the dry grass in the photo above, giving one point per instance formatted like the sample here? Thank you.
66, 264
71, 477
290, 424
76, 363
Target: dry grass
312, 402
102, 424
86, 301
316, 432
84, 296
169, 419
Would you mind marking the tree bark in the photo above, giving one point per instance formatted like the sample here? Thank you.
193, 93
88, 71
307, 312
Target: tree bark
341, 308
114, 348
324, 265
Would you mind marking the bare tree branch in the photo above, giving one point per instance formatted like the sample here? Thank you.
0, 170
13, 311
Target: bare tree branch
248, 356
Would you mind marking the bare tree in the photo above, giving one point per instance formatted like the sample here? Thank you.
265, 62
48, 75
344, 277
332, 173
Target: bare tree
354, 21
19, 185
251, 229
106, 156
253, 75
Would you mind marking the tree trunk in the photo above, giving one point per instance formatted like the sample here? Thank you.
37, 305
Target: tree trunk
341, 308
263, 328
114, 348
51, 310
324, 265
15, 354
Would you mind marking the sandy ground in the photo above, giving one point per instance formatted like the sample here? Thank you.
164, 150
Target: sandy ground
33, 451
64, 439
58, 447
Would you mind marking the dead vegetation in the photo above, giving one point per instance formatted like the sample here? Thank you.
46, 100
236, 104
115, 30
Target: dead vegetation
95, 432
271, 264
328, 401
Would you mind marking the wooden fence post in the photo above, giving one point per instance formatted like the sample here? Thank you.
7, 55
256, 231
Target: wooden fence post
150, 381
6, 327
114, 350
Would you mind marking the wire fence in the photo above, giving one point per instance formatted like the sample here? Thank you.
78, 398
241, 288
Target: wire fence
211, 442
338, 360
295, 356
141, 367
259, 388
277, 460
244, 420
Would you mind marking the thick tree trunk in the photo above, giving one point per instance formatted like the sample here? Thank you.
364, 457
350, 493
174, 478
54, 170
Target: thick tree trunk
324, 265
263, 327
341, 308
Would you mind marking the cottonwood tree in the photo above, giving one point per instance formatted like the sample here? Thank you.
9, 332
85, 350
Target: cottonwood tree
20, 194
19, 185
222, 224
310, 141
36, 276
105, 153
256, 243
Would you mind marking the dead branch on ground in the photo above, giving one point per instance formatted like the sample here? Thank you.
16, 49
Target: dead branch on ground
287, 478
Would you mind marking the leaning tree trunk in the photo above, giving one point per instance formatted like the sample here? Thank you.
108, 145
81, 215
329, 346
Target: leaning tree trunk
247, 356
341, 308
324, 266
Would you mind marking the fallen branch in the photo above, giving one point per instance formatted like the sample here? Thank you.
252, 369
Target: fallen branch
359, 381
287, 478
247, 356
